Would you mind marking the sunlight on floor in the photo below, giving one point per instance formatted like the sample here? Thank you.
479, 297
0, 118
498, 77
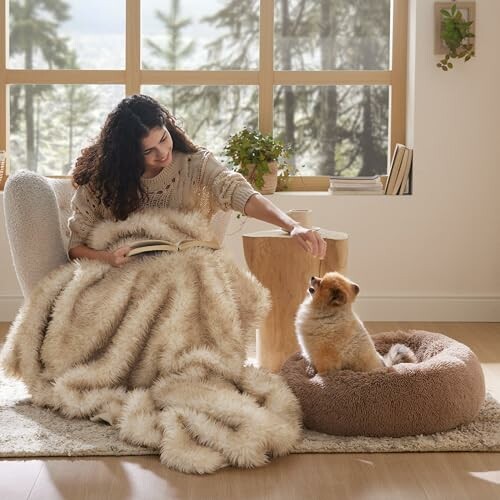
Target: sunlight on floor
366, 462
491, 476
491, 378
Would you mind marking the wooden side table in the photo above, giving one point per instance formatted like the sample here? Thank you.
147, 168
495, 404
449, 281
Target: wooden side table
285, 269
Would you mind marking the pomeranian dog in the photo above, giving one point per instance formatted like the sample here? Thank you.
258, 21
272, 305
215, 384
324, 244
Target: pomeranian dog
331, 335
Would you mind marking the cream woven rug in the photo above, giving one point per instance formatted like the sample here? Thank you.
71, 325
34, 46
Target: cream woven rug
29, 431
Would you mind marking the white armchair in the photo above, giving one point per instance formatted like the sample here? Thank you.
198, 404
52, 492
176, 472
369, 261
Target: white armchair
37, 209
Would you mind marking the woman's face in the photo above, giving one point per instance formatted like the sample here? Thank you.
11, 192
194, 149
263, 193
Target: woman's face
157, 149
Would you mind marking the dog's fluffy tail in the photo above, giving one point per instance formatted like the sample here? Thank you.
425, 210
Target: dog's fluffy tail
399, 353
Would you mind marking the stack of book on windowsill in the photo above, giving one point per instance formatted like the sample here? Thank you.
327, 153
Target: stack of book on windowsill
356, 185
399, 180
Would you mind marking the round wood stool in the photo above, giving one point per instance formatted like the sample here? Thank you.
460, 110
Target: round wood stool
285, 269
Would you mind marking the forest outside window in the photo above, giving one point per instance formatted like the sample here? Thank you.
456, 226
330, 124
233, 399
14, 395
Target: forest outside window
325, 76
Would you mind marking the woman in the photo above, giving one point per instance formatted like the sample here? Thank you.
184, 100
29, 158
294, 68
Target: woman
143, 159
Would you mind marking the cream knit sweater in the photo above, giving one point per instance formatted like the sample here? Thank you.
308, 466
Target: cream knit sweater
195, 181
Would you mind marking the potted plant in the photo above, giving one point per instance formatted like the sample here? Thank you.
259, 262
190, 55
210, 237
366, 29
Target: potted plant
457, 36
260, 158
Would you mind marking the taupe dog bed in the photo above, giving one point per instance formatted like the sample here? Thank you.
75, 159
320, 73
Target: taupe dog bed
443, 390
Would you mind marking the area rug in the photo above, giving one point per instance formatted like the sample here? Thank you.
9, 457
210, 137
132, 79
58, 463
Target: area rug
30, 431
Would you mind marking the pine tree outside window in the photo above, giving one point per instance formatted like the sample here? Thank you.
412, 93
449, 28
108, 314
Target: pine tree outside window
326, 76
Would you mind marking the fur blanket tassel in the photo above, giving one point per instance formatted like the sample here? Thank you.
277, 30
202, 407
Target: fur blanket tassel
157, 348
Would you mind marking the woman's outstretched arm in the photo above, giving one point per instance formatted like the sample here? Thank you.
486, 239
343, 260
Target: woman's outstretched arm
263, 209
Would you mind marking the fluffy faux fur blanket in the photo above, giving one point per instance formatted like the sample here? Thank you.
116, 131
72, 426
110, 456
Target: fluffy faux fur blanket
157, 348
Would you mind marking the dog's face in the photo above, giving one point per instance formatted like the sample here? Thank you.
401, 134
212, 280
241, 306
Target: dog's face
332, 290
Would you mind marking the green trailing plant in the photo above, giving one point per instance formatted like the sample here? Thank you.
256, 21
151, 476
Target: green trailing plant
457, 36
250, 147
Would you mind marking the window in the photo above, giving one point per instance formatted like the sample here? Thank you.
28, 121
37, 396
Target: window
326, 76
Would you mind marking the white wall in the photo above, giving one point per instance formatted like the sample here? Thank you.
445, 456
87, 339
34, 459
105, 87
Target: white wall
434, 255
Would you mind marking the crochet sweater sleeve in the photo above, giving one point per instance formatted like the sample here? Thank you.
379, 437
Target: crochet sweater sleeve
85, 214
229, 189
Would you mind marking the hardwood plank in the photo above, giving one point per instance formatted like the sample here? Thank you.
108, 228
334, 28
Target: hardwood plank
376, 476
17, 477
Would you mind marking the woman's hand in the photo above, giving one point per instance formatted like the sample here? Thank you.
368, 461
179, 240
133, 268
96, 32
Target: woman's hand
118, 258
310, 240
263, 209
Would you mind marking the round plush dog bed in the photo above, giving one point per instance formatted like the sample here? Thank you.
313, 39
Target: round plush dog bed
443, 390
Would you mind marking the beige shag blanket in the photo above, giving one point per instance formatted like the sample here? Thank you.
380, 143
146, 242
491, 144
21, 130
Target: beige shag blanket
157, 348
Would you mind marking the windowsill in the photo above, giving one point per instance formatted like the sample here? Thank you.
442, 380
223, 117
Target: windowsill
319, 185
337, 196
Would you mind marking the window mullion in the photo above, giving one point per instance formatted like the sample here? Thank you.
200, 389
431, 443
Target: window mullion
399, 32
333, 77
194, 77
266, 66
4, 108
133, 48
65, 76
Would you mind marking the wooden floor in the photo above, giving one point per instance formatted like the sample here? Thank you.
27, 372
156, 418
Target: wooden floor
312, 477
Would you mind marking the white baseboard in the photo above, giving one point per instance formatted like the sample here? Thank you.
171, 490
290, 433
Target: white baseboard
388, 308
441, 308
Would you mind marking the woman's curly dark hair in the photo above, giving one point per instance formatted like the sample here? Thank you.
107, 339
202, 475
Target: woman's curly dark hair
114, 163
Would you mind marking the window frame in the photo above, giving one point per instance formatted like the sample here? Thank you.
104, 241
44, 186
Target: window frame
266, 77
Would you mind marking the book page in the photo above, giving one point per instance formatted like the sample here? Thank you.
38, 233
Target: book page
142, 243
152, 248
160, 245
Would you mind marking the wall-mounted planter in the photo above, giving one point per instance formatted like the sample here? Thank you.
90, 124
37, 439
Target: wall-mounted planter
454, 31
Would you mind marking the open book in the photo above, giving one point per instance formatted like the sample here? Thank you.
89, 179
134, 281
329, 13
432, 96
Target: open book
144, 246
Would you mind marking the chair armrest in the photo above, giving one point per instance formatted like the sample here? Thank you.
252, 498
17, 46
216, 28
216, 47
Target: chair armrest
33, 228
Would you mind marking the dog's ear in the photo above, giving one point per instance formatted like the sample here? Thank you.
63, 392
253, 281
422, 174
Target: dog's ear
337, 297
